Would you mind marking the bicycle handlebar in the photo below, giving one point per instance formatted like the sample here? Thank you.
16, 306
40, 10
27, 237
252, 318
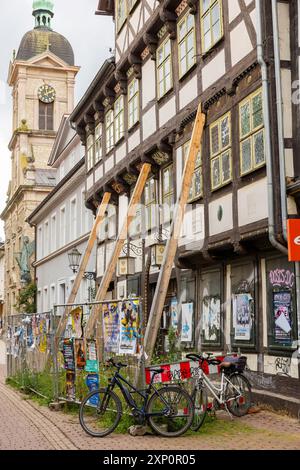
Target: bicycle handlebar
208, 359
118, 365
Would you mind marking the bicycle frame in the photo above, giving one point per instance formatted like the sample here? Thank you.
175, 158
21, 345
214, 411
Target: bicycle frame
118, 380
218, 393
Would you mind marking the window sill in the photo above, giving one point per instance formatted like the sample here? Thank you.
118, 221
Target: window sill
224, 185
165, 96
253, 170
186, 74
118, 142
133, 127
212, 49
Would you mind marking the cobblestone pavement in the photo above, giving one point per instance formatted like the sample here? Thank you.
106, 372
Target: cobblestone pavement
26, 425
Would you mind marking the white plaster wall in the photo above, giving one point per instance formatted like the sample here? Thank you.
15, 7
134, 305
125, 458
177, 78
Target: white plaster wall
287, 102
134, 140
108, 165
121, 153
289, 163
216, 226
214, 70
89, 181
122, 211
233, 9
134, 19
252, 362
99, 173
270, 366
253, 202
148, 82
149, 123
240, 43
284, 30
188, 92
167, 111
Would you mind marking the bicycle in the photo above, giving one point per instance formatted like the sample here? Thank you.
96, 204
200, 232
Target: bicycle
234, 394
168, 410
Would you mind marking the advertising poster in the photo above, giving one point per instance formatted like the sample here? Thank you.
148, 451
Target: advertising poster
68, 353
77, 317
92, 382
129, 324
187, 323
282, 306
111, 327
92, 365
211, 308
70, 385
242, 316
174, 313
80, 354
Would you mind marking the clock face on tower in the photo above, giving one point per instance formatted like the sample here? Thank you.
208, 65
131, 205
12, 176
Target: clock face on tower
46, 94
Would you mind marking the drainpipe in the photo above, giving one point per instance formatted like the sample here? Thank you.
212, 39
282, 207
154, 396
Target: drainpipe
266, 115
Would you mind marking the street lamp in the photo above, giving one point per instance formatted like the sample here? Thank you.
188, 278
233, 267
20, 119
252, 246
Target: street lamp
74, 263
126, 263
158, 247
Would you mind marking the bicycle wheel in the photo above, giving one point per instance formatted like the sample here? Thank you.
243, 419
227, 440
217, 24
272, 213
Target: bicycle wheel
100, 413
172, 411
238, 395
199, 397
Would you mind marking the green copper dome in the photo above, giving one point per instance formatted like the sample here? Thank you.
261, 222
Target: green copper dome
43, 38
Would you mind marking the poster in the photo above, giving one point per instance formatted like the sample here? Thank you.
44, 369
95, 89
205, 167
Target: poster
242, 316
187, 323
92, 382
174, 313
129, 324
77, 317
282, 305
68, 353
80, 354
111, 327
70, 385
91, 365
211, 307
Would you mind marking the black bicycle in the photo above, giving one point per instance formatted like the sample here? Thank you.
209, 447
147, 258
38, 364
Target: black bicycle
168, 410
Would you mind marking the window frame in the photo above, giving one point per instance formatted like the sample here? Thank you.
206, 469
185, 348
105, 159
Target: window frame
162, 65
132, 100
169, 195
98, 143
46, 118
221, 151
109, 130
119, 124
198, 166
202, 17
148, 206
90, 156
192, 31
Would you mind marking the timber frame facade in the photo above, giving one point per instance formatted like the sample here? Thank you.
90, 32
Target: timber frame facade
169, 56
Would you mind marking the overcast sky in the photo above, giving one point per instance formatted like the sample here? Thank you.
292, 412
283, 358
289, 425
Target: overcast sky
91, 37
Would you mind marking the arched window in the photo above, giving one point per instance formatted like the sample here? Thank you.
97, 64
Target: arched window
46, 111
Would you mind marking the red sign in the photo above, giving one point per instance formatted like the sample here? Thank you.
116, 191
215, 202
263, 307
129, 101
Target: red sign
293, 230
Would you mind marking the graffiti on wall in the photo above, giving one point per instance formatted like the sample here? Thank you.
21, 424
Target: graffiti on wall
283, 366
282, 278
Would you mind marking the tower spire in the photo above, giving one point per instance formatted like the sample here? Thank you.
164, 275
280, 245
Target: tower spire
43, 11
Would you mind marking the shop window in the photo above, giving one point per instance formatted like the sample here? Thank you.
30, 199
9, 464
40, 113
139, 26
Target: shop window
109, 125
210, 308
133, 102
98, 143
167, 194
90, 152
252, 142
211, 23
164, 68
119, 118
196, 190
281, 300
186, 44
243, 324
220, 151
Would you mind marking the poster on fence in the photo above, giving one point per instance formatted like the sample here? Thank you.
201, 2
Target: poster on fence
129, 325
80, 354
70, 385
77, 318
187, 323
91, 365
242, 321
174, 313
211, 306
111, 327
68, 353
92, 382
282, 306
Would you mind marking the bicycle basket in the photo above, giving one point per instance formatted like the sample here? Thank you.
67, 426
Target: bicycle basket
241, 364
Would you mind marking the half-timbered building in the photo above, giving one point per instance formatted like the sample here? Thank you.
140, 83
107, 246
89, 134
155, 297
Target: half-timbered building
239, 58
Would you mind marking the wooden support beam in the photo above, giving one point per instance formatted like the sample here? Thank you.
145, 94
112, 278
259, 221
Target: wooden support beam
122, 237
84, 262
172, 244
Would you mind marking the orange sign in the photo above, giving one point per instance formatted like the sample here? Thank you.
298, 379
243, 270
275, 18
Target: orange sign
293, 230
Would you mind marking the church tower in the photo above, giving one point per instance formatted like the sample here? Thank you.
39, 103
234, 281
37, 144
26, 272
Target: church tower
42, 77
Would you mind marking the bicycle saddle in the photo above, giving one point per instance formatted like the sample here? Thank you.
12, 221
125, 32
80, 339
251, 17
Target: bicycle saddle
156, 371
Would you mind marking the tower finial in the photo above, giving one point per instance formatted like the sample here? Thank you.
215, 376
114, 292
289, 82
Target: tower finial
43, 11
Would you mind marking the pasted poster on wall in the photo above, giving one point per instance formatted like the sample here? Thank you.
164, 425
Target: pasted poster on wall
77, 317
242, 321
80, 354
68, 353
70, 385
174, 313
187, 323
111, 327
129, 325
211, 307
92, 365
282, 308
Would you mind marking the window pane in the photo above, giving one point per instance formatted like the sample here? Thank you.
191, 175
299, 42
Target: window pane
226, 167
215, 139
216, 32
225, 135
215, 170
259, 150
206, 24
205, 5
198, 182
245, 119
257, 111
246, 156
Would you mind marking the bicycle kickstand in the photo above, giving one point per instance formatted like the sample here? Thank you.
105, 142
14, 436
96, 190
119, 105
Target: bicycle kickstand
227, 410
